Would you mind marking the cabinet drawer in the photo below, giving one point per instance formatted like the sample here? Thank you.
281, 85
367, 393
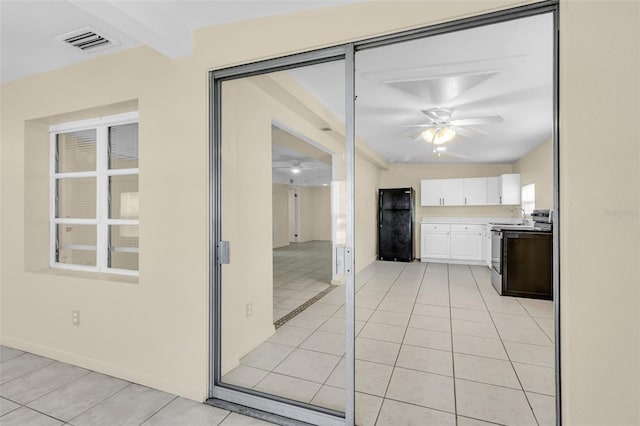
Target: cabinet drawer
476, 229
435, 227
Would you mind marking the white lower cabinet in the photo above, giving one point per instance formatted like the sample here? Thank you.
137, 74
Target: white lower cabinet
435, 241
466, 242
459, 243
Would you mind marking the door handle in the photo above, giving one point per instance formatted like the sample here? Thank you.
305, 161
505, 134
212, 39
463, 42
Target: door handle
223, 252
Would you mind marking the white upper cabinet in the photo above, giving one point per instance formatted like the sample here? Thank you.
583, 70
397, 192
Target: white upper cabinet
475, 192
453, 192
442, 192
493, 190
482, 191
431, 192
510, 188
503, 189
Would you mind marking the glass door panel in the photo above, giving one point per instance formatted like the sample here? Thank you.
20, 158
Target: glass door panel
452, 110
283, 173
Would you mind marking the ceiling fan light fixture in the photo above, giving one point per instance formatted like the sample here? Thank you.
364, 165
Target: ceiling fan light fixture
295, 170
438, 135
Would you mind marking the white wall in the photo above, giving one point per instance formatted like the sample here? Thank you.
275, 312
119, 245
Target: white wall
600, 211
366, 212
315, 213
162, 320
537, 167
280, 209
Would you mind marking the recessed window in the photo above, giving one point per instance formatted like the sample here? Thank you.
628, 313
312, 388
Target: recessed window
529, 198
94, 195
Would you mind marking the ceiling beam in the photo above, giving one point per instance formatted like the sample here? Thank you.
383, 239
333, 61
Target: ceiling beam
144, 22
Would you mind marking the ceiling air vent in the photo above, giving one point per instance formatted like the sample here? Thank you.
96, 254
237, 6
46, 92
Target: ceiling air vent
87, 40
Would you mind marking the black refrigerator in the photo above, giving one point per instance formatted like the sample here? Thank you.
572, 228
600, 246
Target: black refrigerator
395, 224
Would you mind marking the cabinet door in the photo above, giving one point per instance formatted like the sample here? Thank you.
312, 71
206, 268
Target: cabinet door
493, 190
453, 192
431, 192
435, 245
475, 192
466, 245
510, 188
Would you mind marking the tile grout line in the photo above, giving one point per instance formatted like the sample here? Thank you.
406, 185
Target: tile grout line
505, 350
300, 348
53, 361
453, 361
62, 386
534, 320
15, 356
224, 418
403, 335
158, 410
98, 403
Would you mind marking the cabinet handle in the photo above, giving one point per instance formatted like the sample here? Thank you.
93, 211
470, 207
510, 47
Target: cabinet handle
443, 201
501, 199
465, 200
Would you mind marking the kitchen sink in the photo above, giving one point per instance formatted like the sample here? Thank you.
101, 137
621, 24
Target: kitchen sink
511, 225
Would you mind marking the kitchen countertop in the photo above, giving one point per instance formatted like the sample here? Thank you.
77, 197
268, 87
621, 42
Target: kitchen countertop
471, 220
501, 223
521, 228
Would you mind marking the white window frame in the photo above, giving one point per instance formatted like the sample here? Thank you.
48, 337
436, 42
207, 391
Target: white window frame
102, 174
526, 201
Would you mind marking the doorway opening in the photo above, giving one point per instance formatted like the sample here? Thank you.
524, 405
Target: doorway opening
466, 124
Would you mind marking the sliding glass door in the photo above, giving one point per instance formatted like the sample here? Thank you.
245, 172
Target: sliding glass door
283, 270
343, 289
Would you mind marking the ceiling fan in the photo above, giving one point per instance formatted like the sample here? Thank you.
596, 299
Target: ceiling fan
295, 167
442, 128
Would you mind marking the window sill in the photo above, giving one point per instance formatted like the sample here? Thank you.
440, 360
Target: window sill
99, 276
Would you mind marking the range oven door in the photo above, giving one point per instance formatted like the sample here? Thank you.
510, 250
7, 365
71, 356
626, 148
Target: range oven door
496, 260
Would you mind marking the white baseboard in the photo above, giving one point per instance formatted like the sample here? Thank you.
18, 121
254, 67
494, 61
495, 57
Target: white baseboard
453, 261
196, 393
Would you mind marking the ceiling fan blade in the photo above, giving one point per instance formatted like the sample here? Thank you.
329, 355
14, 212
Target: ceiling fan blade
453, 154
416, 136
432, 115
469, 132
419, 125
477, 120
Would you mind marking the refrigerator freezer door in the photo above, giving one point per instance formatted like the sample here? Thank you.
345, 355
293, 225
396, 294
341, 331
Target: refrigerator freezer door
396, 198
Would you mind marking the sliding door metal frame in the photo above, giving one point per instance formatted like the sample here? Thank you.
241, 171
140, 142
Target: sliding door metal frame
258, 400
350, 302
556, 216
347, 52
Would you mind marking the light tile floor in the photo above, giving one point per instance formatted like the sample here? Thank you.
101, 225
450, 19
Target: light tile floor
38, 391
300, 271
435, 344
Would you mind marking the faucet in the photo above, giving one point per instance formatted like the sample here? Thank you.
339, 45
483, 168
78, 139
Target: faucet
524, 221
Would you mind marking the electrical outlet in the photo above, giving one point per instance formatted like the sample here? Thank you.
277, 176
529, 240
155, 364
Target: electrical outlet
75, 317
249, 310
